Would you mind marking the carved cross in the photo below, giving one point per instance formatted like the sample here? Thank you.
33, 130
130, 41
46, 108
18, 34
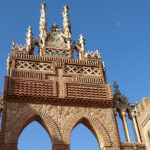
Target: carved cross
61, 81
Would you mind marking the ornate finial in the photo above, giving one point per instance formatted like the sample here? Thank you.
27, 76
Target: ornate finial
104, 67
29, 38
43, 24
66, 26
82, 42
8, 65
13, 45
55, 28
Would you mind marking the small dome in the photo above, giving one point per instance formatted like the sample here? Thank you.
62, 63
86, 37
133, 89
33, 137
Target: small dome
55, 26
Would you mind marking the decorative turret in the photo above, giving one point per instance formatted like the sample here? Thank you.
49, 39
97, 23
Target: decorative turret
82, 42
66, 26
8, 64
29, 39
43, 24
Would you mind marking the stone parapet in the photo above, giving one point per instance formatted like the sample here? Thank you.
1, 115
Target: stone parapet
132, 146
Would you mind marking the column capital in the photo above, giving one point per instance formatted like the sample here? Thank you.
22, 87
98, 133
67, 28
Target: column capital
123, 112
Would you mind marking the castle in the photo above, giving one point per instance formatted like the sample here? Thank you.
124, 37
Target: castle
60, 91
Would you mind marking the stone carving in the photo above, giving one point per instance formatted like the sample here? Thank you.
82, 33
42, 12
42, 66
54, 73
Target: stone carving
104, 67
82, 42
34, 66
66, 26
29, 39
57, 52
43, 25
70, 69
55, 39
89, 80
92, 54
8, 64
16, 47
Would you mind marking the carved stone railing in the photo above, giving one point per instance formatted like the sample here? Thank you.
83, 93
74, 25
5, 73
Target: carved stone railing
57, 52
71, 69
28, 65
56, 59
132, 146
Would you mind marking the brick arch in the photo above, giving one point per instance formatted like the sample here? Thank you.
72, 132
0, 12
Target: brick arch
96, 127
44, 119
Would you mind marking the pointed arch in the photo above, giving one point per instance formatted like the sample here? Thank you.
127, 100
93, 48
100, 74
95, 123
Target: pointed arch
44, 119
92, 123
75, 51
76, 47
34, 136
87, 124
83, 138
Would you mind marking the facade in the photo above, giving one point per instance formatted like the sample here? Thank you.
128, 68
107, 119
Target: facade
60, 91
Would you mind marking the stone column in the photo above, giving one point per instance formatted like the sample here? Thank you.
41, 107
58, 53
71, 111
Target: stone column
135, 127
61, 147
8, 146
124, 121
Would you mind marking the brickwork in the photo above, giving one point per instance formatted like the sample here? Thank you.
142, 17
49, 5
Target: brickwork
59, 122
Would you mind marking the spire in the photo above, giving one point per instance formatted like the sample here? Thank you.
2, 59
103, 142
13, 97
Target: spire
82, 42
66, 26
29, 38
43, 24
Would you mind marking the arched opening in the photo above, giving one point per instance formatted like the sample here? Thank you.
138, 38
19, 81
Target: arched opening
75, 54
34, 137
83, 139
120, 128
131, 128
36, 50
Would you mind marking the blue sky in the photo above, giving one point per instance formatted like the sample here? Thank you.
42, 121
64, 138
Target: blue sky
119, 29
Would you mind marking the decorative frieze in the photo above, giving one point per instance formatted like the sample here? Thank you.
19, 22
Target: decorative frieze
57, 52
35, 66
71, 69
29, 88
64, 60
81, 91
89, 80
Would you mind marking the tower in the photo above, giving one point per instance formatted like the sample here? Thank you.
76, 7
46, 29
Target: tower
58, 90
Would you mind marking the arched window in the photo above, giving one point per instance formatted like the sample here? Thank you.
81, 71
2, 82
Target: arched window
75, 54
34, 137
36, 50
83, 139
